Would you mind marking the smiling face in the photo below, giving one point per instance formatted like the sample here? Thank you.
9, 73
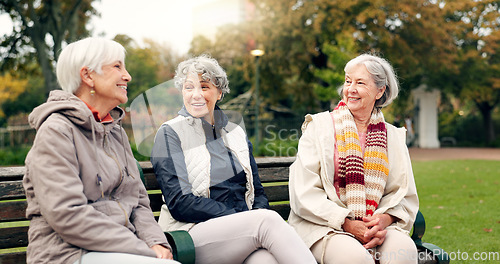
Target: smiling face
111, 85
200, 97
360, 91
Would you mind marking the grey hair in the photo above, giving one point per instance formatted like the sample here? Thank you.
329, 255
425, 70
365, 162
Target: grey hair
382, 73
209, 69
89, 52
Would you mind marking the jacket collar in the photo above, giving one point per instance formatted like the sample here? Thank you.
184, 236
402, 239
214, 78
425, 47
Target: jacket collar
74, 109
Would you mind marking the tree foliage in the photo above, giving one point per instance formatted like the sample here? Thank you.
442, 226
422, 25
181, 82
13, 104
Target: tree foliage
230, 48
478, 40
412, 35
10, 89
332, 76
148, 65
449, 45
40, 28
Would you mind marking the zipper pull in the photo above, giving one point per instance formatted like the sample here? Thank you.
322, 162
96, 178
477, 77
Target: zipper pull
99, 182
128, 174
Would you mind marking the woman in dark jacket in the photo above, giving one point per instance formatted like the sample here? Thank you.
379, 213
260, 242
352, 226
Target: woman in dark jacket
86, 201
209, 179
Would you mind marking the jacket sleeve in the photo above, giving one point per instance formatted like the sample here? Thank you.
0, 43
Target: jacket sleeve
145, 224
169, 165
54, 171
308, 193
146, 227
260, 200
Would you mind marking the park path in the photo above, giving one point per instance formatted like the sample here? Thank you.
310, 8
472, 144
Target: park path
421, 154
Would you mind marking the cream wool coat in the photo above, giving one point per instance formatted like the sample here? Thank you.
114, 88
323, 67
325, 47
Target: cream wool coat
316, 210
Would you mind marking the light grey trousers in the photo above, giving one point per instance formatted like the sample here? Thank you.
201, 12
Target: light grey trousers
258, 236
122, 258
397, 248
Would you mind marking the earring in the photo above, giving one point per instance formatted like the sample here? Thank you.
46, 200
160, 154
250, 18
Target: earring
92, 92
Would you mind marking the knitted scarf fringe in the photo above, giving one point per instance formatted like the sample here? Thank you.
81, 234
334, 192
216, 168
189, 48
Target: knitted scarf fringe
362, 177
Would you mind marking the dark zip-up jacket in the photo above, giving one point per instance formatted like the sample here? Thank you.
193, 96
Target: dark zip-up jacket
227, 178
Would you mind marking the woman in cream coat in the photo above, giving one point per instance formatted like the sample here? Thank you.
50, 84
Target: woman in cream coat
352, 192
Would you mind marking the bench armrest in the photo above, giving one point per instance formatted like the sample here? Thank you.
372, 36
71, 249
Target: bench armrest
418, 228
418, 232
182, 246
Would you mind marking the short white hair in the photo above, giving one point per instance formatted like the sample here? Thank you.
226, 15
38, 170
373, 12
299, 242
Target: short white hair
89, 52
382, 73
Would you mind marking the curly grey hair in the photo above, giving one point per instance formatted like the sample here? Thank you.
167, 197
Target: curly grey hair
382, 73
209, 69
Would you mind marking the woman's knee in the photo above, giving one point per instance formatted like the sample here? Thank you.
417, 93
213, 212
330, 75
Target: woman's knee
397, 248
267, 216
261, 256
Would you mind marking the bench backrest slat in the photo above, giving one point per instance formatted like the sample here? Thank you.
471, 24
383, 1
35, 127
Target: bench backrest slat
11, 190
12, 237
12, 211
13, 258
11, 173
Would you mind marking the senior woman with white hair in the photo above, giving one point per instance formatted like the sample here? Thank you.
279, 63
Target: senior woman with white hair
352, 192
86, 201
209, 179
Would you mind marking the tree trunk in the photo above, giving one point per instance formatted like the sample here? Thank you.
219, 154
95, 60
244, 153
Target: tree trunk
37, 35
489, 129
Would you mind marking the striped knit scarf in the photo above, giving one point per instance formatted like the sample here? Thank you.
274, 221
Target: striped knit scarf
362, 177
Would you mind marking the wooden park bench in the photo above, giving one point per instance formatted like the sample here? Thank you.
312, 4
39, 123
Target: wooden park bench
274, 176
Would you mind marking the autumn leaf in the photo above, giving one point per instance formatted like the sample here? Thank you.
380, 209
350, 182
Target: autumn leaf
10, 88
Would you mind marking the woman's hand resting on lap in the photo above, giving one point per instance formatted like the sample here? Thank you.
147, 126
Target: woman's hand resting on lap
371, 231
162, 252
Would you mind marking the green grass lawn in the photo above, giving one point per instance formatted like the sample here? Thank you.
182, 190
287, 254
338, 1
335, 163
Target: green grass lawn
460, 201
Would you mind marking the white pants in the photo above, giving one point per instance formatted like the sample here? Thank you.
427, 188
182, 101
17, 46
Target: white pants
397, 248
122, 258
258, 236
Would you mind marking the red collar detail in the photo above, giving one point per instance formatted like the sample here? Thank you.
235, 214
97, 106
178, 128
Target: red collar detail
106, 119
